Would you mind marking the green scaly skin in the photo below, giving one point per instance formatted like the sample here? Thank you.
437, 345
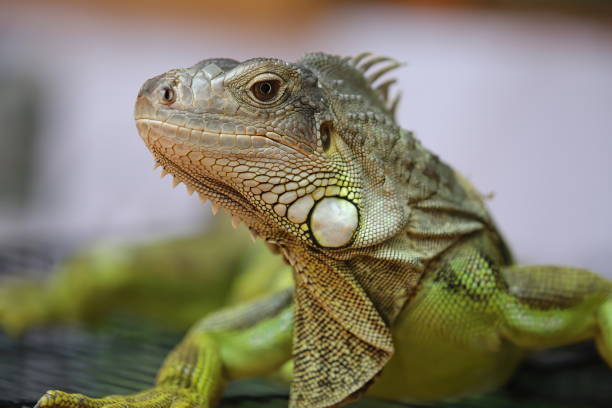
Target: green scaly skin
403, 287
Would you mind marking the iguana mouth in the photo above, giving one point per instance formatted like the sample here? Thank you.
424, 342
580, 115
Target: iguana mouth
189, 137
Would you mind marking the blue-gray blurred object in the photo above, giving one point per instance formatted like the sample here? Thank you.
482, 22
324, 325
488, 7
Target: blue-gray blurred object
19, 103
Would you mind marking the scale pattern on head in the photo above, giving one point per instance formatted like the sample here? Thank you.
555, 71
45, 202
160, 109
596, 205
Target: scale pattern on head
309, 156
256, 138
260, 139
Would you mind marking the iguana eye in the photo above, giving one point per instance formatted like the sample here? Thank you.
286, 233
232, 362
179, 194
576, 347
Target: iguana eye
266, 90
167, 95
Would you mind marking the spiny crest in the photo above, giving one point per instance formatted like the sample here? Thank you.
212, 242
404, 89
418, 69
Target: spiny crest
214, 207
351, 77
364, 62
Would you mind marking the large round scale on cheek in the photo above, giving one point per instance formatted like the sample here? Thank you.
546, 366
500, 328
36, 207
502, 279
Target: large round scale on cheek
333, 222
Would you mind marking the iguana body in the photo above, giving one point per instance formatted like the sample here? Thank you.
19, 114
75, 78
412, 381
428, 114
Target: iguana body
403, 287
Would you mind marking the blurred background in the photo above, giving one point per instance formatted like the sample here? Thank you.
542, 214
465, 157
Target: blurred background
517, 95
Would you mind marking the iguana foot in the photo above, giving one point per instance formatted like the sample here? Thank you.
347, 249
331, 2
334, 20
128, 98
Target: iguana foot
158, 397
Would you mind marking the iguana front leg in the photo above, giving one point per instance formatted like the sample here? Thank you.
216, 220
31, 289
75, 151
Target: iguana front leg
475, 316
549, 306
248, 340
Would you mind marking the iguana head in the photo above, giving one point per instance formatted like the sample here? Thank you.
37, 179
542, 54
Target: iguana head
270, 142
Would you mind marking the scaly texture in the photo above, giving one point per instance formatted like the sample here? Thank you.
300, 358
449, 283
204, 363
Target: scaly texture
401, 278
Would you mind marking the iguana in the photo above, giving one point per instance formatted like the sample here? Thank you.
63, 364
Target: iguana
403, 288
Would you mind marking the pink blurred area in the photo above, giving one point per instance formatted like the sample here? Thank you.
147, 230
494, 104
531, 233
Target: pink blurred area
519, 102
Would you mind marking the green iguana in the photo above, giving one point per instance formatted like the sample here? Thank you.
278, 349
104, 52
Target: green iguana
402, 286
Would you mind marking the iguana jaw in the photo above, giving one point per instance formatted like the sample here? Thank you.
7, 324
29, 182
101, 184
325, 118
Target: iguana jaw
265, 165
